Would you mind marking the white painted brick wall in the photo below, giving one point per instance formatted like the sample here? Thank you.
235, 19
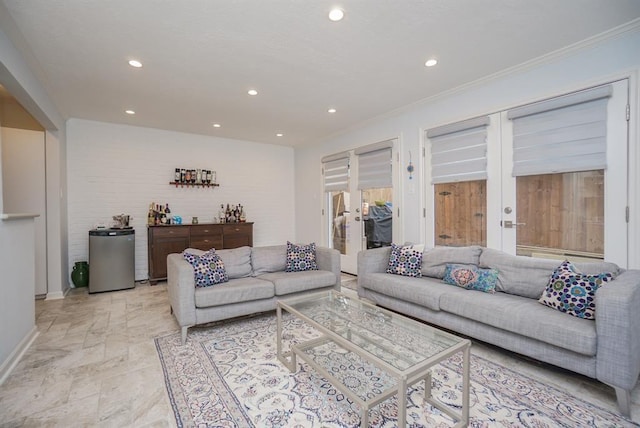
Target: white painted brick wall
115, 169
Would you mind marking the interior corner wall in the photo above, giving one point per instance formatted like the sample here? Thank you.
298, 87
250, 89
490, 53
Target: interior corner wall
57, 256
616, 57
114, 169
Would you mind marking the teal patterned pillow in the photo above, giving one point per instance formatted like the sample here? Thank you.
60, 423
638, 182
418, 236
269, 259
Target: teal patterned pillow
573, 292
471, 277
208, 269
405, 260
301, 257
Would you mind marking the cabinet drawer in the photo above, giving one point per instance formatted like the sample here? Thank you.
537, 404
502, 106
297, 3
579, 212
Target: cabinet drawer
236, 229
206, 230
237, 235
170, 231
205, 244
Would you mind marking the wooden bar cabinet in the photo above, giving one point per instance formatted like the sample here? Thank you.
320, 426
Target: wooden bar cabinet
163, 240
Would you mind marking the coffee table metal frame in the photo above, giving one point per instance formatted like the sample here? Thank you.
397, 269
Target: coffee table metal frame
341, 335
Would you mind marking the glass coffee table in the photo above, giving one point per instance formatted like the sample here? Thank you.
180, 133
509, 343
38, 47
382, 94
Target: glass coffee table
401, 349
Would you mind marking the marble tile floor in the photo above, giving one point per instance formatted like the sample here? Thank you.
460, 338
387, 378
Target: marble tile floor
94, 363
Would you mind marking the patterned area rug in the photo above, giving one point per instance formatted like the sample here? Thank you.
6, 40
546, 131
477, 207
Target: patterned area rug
228, 375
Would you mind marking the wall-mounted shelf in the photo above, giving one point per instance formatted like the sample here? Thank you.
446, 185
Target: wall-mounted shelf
173, 183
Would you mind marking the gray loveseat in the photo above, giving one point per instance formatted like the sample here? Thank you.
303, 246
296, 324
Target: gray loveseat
257, 279
607, 348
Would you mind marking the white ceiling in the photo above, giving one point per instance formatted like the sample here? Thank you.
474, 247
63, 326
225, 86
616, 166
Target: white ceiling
201, 56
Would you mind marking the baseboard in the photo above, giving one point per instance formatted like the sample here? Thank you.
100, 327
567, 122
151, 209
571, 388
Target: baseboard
58, 294
9, 364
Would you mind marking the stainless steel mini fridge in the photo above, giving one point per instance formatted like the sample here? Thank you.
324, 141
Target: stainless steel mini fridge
111, 259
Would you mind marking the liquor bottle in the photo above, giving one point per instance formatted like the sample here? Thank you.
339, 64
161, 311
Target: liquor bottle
208, 176
243, 215
183, 175
221, 214
199, 176
167, 213
150, 215
163, 215
177, 175
187, 177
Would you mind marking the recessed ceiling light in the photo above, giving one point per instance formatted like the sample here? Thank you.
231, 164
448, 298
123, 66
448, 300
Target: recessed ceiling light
336, 14
130, 112
431, 62
331, 110
252, 92
135, 63
216, 125
279, 134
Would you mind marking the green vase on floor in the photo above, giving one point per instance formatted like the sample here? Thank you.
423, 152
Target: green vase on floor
80, 274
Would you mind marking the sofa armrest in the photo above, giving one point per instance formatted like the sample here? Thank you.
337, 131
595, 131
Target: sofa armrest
618, 329
329, 259
375, 260
181, 288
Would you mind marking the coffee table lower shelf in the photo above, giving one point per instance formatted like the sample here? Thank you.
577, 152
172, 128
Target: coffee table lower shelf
402, 382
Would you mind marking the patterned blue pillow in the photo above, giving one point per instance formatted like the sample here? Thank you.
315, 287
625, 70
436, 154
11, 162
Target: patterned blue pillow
405, 260
208, 269
471, 277
301, 257
573, 292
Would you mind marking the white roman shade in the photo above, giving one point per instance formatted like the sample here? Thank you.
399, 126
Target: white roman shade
336, 172
374, 166
459, 151
562, 134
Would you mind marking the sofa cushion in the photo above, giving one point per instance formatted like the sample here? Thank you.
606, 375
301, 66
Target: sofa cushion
301, 258
237, 261
208, 268
423, 291
525, 317
268, 259
573, 292
293, 282
435, 260
235, 291
405, 260
471, 277
529, 276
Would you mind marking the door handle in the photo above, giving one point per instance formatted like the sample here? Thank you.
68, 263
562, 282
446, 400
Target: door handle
508, 224
357, 219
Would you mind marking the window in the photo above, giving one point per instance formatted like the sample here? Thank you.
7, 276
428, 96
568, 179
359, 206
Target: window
459, 178
559, 163
375, 182
335, 170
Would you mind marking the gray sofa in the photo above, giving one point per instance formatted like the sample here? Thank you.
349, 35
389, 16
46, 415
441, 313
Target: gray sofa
257, 279
607, 348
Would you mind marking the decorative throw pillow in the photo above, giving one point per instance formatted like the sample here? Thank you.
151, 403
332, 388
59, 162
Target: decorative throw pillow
208, 268
406, 260
573, 292
471, 277
301, 257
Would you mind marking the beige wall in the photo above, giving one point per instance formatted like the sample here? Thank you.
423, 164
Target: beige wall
23, 188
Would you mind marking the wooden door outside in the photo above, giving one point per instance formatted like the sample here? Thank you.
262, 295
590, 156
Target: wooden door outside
460, 213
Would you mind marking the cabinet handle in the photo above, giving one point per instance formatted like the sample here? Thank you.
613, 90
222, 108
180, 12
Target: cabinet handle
206, 240
206, 230
171, 232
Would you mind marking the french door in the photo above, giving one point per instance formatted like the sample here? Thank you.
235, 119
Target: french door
565, 194
547, 179
359, 201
